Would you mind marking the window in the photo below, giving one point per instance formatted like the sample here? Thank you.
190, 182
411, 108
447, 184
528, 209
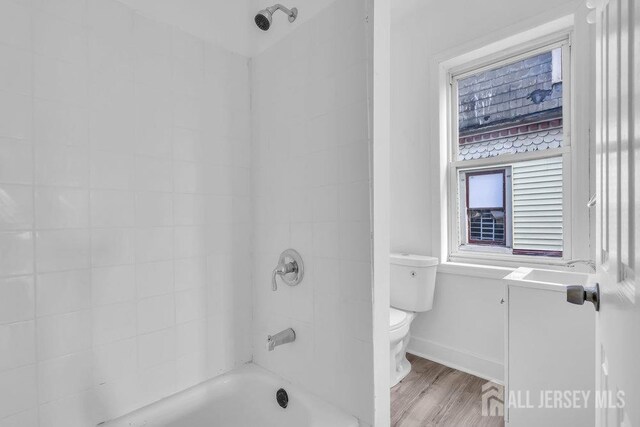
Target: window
509, 154
486, 207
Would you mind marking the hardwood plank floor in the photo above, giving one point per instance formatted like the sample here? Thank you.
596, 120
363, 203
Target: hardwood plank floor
435, 395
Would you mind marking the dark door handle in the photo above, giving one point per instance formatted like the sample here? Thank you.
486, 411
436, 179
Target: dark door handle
577, 294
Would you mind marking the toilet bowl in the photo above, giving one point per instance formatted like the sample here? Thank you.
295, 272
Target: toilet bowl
412, 288
399, 334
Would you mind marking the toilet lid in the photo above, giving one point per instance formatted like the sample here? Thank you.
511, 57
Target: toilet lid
396, 317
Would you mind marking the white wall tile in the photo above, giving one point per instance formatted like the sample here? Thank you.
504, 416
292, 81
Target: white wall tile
190, 369
17, 299
63, 292
112, 246
153, 121
105, 146
63, 334
154, 278
111, 170
61, 208
187, 144
16, 162
15, 24
28, 418
16, 250
64, 376
114, 322
156, 348
188, 177
59, 39
59, 250
15, 117
110, 285
19, 343
156, 313
70, 10
110, 20
188, 209
330, 221
115, 360
354, 204
157, 382
60, 123
15, 70
150, 36
16, 207
190, 337
18, 390
58, 80
189, 273
354, 162
190, 305
110, 208
154, 244
189, 242
65, 166
112, 128
154, 209
153, 174
187, 112
77, 410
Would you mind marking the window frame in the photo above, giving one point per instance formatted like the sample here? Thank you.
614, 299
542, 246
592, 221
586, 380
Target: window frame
504, 208
457, 251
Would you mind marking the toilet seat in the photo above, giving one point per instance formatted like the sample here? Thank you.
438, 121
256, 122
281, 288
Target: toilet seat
397, 318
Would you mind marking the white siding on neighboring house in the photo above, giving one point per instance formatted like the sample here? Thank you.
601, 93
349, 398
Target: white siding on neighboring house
537, 205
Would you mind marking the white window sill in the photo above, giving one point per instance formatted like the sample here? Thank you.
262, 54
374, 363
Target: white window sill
495, 267
475, 270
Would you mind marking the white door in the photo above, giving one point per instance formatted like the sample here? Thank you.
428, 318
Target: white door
618, 211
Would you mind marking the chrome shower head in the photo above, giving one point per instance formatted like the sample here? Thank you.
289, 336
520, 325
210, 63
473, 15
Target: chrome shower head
264, 17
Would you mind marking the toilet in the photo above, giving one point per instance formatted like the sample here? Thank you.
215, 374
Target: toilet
413, 279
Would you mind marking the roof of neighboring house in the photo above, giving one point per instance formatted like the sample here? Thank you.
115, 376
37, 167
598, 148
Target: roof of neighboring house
519, 143
512, 94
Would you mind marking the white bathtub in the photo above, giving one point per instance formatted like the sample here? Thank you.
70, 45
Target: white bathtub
245, 397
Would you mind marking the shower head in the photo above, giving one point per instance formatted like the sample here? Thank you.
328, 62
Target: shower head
264, 17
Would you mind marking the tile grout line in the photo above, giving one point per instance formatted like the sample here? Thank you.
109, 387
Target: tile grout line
32, 138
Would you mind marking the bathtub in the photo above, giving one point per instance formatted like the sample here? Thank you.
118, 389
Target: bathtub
245, 397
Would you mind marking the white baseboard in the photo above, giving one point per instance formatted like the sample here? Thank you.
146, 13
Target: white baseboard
474, 364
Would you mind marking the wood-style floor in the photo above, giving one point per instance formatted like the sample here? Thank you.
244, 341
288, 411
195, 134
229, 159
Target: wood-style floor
435, 395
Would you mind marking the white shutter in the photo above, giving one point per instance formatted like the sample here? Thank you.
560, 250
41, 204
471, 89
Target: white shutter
537, 205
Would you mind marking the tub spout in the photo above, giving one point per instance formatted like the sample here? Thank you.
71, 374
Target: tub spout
282, 337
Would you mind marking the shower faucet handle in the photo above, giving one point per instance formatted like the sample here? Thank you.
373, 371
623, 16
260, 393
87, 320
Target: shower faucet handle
290, 268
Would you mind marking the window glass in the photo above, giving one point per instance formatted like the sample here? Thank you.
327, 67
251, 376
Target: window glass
486, 190
513, 108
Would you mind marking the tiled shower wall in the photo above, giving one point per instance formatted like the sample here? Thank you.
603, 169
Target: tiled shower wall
124, 211
310, 184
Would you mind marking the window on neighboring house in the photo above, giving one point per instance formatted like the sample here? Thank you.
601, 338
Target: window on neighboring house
510, 153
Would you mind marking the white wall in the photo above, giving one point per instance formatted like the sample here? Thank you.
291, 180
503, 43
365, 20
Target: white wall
124, 211
230, 24
311, 192
224, 23
458, 332
307, 10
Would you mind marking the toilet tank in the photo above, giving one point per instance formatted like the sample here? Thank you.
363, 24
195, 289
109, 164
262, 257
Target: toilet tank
413, 280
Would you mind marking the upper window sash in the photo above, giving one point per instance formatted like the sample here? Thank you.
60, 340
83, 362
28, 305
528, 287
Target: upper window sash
491, 62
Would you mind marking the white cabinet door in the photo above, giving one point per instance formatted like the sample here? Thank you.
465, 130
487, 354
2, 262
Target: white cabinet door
549, 348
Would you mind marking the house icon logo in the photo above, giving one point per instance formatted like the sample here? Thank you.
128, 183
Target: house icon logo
492, 400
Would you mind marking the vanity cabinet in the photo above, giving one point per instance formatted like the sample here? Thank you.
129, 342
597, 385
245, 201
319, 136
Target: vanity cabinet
550, 352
